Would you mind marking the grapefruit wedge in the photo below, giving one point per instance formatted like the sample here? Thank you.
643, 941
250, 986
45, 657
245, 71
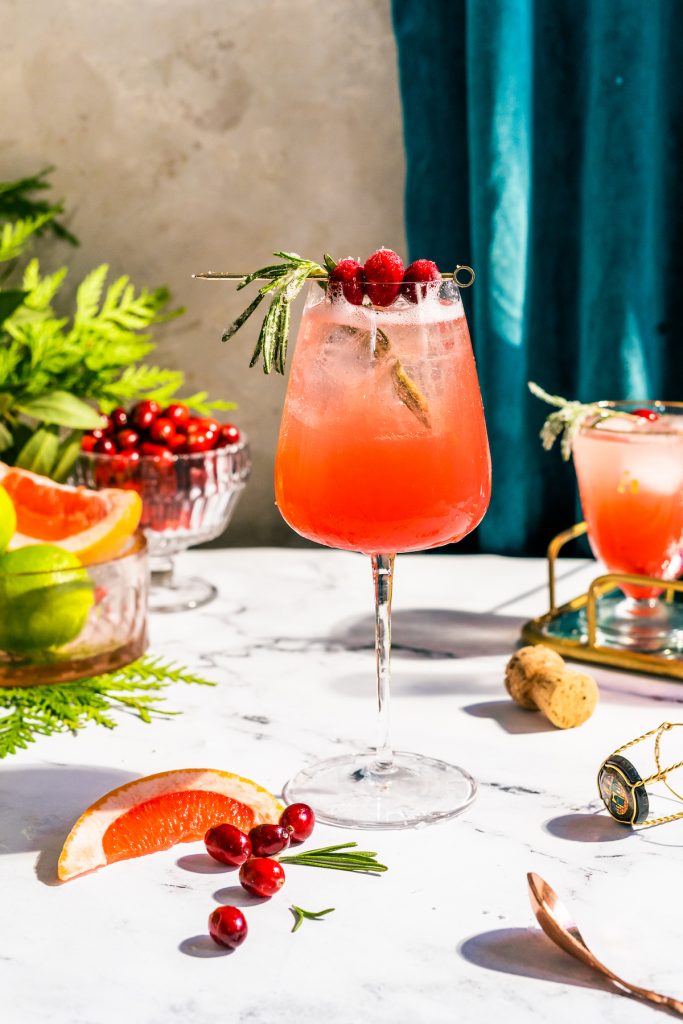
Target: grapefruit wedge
158, 811
93, 525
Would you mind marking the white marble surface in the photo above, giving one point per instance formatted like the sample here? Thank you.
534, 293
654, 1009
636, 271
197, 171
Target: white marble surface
447, 934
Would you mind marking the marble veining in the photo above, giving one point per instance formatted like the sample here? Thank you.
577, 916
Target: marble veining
447, 934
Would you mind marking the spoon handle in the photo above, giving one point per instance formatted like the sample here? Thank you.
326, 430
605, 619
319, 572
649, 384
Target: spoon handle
644, 993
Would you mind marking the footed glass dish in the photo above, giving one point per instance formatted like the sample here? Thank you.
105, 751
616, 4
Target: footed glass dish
186, 500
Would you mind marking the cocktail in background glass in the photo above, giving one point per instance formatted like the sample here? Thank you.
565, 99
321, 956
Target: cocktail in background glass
383, 449
629, 467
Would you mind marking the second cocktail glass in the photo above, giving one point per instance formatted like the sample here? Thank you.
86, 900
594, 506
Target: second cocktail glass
383, 449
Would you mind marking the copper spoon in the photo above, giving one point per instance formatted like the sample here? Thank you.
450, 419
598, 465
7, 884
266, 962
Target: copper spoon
555, 920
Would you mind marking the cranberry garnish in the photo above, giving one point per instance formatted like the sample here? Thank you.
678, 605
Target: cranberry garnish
383, 276
104, 446
646, 414
267, 840
299, 820
228, 845
161, 430
262, 876
127, 439
178, 414
421, 272
119, 418
229, 434
349, 278
228, 926
144, 413
88, 442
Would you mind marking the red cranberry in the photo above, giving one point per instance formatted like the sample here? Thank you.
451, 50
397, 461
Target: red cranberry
211, 424
157, 452
119, 418
228, 926
262, 876
178, 443
161, 430
88, 442
417, 277
299, 820
383, 276
105, 446
228, 845
127, 439
348, 276
178, 414
267, 840
646, 414
199, 442
144, 413
229, 434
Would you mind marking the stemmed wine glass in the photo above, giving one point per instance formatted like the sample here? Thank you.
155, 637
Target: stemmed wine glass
383, 449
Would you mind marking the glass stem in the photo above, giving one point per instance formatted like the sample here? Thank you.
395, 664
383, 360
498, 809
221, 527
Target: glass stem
161, 569
383, 576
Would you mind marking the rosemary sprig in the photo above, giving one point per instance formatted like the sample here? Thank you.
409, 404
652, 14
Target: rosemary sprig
332, 857
284, 282
301, 915
567, 421
29, 712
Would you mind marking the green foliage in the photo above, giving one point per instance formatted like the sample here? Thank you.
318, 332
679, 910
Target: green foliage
55, 368
29, 712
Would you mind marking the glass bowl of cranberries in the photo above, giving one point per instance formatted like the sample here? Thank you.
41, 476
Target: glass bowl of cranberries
189, 472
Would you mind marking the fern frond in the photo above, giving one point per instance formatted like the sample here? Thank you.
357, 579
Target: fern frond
14, 237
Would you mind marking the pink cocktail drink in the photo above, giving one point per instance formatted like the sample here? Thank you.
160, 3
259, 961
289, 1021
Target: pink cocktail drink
630, 473
383, 444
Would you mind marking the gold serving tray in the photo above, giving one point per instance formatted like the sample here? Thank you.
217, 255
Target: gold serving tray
536, 631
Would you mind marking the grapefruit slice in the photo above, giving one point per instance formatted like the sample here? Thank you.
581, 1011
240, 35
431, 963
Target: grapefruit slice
94, 525
158, 811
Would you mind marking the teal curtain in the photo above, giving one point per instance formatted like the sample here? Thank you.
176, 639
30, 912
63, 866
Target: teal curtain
544, 145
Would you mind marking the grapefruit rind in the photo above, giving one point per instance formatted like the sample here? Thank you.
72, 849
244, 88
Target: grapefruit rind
121, 511
83, 850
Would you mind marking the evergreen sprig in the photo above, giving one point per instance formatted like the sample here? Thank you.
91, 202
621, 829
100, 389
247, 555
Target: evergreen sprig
284, 282
351, 859
29, 712
567, 421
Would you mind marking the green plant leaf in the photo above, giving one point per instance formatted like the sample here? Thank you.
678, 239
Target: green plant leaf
68, 452
9, 301
39, 454
6, 438
62, 409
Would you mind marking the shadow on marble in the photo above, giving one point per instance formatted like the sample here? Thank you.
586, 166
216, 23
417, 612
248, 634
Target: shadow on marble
510, 716
201, 864
528, 953
416, 684
203, 947
38, 807
436, 633
593, 827
236, 896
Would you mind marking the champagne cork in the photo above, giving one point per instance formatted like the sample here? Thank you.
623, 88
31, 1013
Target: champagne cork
538, 679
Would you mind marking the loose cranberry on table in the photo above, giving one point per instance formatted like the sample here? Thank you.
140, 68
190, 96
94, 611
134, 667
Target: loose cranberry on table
299, 820
383, 276
262, 876
349, 277
417, 277
228, 844
228, 926
267, 840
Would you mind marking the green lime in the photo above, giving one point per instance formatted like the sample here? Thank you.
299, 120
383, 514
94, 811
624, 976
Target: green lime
8, 519
45, 598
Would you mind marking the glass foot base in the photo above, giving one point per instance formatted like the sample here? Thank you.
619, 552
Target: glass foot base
655, 625
180, 594
350, 791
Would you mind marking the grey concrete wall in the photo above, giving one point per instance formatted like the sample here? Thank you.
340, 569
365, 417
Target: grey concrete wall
191, 135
